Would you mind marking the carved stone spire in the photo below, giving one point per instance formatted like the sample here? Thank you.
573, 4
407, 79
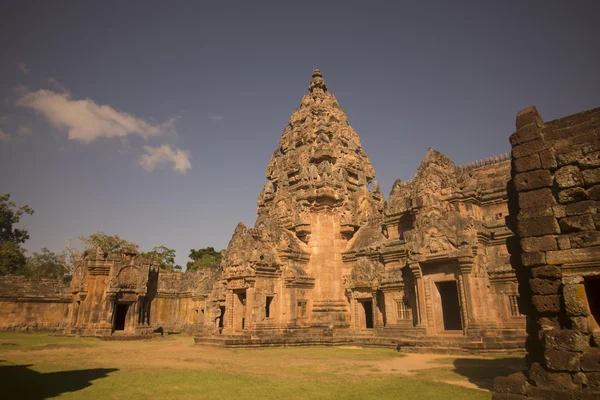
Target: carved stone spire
317, 82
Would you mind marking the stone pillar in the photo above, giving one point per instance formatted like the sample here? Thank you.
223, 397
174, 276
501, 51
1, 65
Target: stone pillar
419, 293
229, 311
466, 299
554, 212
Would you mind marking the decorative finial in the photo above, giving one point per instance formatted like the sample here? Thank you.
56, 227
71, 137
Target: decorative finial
317, 81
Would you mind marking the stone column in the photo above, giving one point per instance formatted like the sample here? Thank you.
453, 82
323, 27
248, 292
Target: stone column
419, 293
464, 283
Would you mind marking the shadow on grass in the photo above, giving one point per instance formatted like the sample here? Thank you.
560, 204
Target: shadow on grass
481, 372
21, 382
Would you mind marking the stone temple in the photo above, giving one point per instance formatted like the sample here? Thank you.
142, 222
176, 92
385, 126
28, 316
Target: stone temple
329, 260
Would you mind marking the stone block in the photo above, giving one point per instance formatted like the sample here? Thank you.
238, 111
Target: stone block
590, 160
584, 239
566, 340
528, 148
563, 242
528, 116
590, 361
552, 380
572, 255
548, 323
559, 360
570, 157
533, 180
515, 383
548, 159
596, 339
546, 271
538, 227
569, 176
528, 163
581, 208
591, 176
546, 303
533, 259
559, 211
575, 300
571, 195
593, 379
545, 286
542, 198
525, 134
543, 243
579, 324
593, 193
577, 223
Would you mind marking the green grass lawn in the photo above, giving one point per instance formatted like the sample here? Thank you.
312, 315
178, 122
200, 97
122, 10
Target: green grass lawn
38, 366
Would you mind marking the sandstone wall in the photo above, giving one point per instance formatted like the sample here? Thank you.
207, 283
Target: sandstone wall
29, 305
554, 211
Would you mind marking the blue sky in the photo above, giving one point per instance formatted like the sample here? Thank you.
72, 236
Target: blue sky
156, 121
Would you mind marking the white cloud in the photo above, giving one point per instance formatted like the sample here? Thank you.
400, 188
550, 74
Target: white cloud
158, 156
59, 86
4, 137
24, 68
86, 121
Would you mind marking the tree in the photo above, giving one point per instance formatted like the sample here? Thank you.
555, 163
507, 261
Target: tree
166, 258
206, 258
12, 255
108, 243
47, 264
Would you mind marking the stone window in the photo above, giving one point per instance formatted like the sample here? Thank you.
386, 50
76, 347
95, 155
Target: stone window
404, 310
268, 306
513, 301
302, 309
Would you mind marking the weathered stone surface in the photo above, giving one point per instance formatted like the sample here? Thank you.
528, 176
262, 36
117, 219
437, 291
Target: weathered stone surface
593, 193
546, 271
538, 227
573, 255
584, 239
575, 300
558, 360
548, 159
567, 177
577, 223
566, 340
545, 286
554, 380
533, 259
581, 208
590, 361
591, 176
543, 243
590, 160
546, 303
570, 157
533, 180
571, 195
529, 163
528, 148
514, 383
542, 198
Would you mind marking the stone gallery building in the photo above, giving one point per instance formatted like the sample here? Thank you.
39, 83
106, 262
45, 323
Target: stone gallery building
328, 261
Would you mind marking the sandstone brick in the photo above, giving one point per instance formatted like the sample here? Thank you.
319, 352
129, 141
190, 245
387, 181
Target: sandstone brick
545, 286
514, 383
542, 198
553, 380
546, 303
528, 148
579, 324
584, 239
590, 361
543, 243
548, 323
572, 255
593, 379
528, 116
559, 360
546, 271
525, 134
577, 223
596, 338
591, 176
564, 243
548, 159
566, 340
533, 180
528, 163
590, 160
568, 176
593, 193
533, 259
538, 227
571, 195
569, 157
575, 300
582, 207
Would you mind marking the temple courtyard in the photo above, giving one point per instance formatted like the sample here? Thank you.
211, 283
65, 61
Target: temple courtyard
39, 366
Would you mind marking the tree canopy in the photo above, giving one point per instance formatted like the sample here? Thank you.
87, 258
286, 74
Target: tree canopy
47, 264
204, 258
108, 243
12, 255
166, 258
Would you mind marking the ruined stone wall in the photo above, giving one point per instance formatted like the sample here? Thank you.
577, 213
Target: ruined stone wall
554, 197
31, 305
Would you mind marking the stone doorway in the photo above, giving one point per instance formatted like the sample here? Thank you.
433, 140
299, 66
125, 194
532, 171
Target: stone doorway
120, 316
239, 310
451, 314
366, 317
221, 318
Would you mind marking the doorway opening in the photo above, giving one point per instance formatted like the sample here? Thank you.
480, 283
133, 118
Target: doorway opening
221, 318
121, 316
268, 306
368, 314
450, 305
592, 291
239, 311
